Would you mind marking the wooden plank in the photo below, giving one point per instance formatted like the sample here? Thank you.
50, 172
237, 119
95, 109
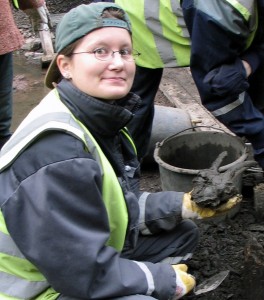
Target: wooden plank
47, 46
179, 88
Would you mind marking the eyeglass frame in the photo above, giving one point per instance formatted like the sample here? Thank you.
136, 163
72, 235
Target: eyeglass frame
111, 55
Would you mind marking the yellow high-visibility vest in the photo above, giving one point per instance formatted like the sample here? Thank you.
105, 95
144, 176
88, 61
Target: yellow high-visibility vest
159, 32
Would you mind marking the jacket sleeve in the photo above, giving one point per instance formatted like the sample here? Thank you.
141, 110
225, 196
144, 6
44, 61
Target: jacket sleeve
58, 220
159, 211
255, 54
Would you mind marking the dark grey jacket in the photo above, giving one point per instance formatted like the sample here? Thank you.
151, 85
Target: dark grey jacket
51, 199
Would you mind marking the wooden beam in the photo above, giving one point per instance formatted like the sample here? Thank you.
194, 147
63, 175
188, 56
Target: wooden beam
47, 46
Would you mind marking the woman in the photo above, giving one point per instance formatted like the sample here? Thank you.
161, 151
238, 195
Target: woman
74, 224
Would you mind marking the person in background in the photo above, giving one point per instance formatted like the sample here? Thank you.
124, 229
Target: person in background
73, 223
11, 40
221, 41
227, 64
38, 14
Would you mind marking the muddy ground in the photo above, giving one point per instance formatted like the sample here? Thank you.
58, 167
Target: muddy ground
222, 243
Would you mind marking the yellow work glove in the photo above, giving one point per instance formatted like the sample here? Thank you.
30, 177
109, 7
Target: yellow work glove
184, 281
190, 210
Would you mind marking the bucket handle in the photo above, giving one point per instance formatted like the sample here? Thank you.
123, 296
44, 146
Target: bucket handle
192, 128
242, 158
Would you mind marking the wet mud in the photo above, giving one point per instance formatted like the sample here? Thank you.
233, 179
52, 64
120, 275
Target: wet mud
212, 188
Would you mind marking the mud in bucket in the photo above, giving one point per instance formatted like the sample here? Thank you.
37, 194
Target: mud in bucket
180, 157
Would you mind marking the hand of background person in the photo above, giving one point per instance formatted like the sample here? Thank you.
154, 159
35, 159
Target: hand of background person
228, 79
247, 67
184, 281
190, 210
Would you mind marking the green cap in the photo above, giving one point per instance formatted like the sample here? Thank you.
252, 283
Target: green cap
77, 23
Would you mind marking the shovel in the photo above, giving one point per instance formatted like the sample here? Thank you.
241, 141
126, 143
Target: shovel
211, 283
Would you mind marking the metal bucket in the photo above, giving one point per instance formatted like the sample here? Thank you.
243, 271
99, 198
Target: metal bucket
180, 157
166, 122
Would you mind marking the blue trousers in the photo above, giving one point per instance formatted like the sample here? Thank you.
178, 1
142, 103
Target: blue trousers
173, 247
6, 95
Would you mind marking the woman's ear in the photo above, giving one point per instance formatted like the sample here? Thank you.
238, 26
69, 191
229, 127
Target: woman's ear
63, 63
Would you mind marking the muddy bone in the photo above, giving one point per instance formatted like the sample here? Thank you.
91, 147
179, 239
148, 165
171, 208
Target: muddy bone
212, 188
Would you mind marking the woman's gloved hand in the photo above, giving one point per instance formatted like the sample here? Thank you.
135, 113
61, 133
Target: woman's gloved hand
190, 210
214, 192
184, 281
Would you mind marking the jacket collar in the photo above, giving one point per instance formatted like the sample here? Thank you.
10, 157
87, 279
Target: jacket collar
99, 116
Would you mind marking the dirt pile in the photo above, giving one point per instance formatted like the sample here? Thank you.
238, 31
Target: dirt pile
222, 244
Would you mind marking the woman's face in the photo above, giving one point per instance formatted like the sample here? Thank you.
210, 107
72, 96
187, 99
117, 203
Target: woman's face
110, 79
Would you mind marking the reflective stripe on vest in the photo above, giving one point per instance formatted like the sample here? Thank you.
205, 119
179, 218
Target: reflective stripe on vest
246, 8
243, 6
39, 120
19, 279
159, 32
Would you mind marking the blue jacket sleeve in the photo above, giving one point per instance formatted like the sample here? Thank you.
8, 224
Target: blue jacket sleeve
255, 54
160, 211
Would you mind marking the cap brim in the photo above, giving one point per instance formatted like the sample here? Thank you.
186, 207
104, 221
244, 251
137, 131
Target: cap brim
53, 74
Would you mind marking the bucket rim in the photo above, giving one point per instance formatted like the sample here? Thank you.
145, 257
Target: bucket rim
224, 168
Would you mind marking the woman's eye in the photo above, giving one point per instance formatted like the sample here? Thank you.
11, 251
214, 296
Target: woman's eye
125, 51
101, 51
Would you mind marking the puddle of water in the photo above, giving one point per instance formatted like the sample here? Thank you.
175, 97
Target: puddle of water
28, 87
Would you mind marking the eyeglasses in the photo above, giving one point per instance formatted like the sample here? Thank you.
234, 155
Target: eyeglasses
107, 54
